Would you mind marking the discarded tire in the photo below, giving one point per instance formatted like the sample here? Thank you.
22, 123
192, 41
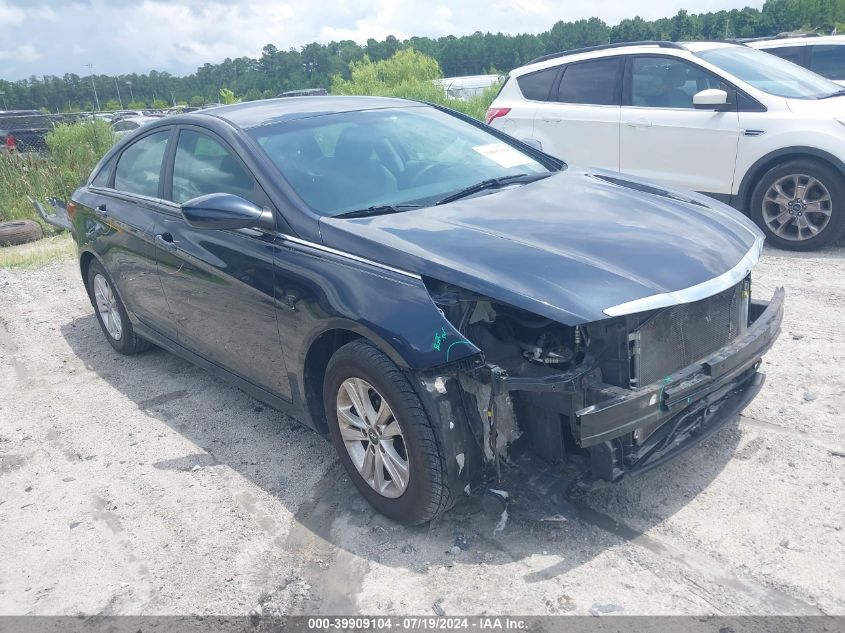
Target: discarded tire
19, 232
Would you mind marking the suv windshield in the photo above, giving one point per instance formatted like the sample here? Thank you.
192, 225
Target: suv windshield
769, 73
349, 161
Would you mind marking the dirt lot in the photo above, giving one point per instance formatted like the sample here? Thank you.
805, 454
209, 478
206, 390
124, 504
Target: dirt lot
144, 486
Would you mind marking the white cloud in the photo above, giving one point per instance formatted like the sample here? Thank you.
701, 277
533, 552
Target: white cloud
23, 53
123, 36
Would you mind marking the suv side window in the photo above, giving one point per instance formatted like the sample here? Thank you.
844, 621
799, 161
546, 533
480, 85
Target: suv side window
537, 86
139, 167
591, 83
828, 61
665, 82
202, 166
794, 54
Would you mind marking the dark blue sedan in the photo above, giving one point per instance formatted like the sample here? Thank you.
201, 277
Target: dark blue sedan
434, 295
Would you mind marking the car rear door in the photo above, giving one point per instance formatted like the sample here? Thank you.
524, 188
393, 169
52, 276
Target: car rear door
121, 211
663, 137
219, 283
579, 122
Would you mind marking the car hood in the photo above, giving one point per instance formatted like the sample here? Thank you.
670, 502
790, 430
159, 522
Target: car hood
567, 247
833, 107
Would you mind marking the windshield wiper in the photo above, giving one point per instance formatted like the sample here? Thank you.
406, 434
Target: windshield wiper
492, 183
382, 209
838, 93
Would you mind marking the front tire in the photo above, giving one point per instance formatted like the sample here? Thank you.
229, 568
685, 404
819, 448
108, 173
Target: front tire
111, 313
383, 436
800, 205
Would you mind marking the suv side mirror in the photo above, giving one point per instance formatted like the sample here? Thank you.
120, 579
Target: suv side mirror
711, 99
226, 211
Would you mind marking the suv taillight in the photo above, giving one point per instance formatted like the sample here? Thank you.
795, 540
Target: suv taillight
11, 142
495, 113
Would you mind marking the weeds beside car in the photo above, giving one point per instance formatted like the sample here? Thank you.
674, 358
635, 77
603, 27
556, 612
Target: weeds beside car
74, 149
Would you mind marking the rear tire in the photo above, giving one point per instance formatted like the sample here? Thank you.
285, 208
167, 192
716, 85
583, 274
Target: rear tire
376, 446
19, 232
111, 313
800, 205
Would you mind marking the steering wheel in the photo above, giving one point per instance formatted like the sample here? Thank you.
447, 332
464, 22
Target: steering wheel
428, 170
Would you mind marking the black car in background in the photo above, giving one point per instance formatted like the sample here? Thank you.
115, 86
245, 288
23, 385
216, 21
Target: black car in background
429, 292
24, 131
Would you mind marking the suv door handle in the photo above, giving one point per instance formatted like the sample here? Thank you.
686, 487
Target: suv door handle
639, 123
552, 119
101, 210
165, 241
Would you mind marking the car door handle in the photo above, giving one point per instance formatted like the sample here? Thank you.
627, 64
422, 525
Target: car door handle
639, 123
552, 119
166, 241
102, 211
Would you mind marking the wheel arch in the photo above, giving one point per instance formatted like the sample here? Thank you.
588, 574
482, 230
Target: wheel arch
319, 350
85, 260
775, 158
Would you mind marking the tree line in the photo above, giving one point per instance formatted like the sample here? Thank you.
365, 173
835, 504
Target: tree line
314, 65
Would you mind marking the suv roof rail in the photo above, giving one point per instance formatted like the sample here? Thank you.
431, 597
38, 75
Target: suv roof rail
779, 36
601, 47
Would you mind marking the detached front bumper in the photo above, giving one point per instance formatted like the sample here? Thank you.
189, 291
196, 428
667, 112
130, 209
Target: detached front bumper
634, 431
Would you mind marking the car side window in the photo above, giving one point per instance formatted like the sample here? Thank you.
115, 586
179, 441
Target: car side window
664, 82
139, 167
794, 54
202, 166
537, 86
104, 175
829, 61
123, 126
591, 83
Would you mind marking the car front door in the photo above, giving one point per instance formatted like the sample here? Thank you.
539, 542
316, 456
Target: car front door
219, 283
126, 209
663, 137
580, 121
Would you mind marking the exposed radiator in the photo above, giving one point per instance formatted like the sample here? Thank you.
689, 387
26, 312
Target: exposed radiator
678, 336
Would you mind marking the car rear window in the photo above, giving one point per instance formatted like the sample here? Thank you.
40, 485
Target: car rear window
591, 83
13, 121
537, 86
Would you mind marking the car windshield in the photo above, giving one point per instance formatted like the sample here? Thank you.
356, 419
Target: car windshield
769, 73
414, 155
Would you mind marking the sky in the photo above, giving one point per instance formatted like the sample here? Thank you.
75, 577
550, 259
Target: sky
54, 37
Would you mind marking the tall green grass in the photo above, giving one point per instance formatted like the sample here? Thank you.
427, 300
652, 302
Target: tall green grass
74, 150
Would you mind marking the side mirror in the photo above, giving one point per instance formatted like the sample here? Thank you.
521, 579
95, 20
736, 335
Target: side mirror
226, 211
711, 99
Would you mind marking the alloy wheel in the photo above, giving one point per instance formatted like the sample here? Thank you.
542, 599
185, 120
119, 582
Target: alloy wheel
797, 207
372, 437
107, 307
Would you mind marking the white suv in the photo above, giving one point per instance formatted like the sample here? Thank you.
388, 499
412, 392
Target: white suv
823, 54
742, 126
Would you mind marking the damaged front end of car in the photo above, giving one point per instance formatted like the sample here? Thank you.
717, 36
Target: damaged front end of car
601, 400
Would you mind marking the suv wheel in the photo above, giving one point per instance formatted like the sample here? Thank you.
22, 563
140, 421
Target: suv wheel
383, 435
800, 205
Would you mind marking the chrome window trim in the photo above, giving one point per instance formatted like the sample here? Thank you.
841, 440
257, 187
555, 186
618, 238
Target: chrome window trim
693, 293
363, 260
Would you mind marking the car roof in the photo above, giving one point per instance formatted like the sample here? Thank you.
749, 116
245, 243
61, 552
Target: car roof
676, 48
797, 41
268, 111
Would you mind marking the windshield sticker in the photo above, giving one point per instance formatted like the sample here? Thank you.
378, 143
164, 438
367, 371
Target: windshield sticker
503, 155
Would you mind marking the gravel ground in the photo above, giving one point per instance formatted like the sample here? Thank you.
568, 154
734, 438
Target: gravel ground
145, 486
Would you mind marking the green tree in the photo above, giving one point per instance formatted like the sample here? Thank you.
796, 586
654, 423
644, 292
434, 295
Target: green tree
227, 96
